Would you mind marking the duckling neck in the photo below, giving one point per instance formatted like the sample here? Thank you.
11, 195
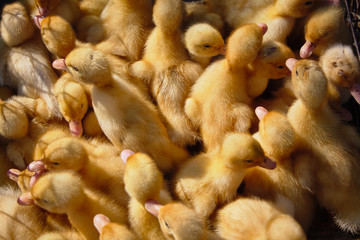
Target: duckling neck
204, 61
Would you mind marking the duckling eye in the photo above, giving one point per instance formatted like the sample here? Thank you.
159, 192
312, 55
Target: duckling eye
75, 68
308, 3
43, 201
55, 163
166, 224
296, 72
82, 105
334, 64
280, 67
206, 46
249, 161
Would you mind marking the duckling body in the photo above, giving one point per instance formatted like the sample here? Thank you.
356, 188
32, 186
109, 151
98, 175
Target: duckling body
218, 107
211, 179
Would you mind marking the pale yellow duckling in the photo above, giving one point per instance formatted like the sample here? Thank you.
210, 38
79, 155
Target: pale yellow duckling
211, 179
172, 74
143, 182
97, 162
203, 42
324, 27
253, 218
112, 231
65, 192
218, 107
125, 116
180, 222
335, 145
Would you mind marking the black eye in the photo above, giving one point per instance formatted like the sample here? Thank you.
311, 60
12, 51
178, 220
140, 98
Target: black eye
308, 3
82, 105
334, 64
207, 46
280, 67
75, 68
296, 72
249, 161
166, 224
55, 163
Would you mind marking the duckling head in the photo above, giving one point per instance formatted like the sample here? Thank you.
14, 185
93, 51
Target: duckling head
271, 59
16, 26
321, 30
63, 153
58, 35
340, 65
73, 104
86, 65
308, 81
204, 40
240, 150
143, 179
284, 227
295, 8
177, 221
58, 191
277, 136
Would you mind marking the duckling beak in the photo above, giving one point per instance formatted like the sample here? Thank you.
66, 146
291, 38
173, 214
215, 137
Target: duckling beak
307, 49
263, 26
76, 128
260, 112
100, 221
290, 63
59, 64
25, 199
125, 154
13, 174
37, 20
43, 11
268, 163
36, 166
355, 92
222, 50
153, 207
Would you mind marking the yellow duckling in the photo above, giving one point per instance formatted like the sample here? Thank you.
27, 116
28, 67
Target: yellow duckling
211, 179
112, 231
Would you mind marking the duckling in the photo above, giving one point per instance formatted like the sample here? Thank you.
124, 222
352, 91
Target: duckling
67, 9
130, 28
172, 73
324, 27
112, 231
16, 26
65, 192
144, 181
97, 162
218, 107
341, 68
26, 67
211, 179
90, 29
319, 129
132, 122
279, 15
203, 42
277, 137
73, 102
61, 235
179, 222
269, 64
253, 218
92, 7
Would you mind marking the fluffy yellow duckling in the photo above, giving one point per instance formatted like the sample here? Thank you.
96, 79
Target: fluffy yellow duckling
180, 222
26, 67
269, 64
90, 29
92, 7
335, 145
112, 231
65, 192
14, 122
16, 26
67, 9
324, 27
144, 181
279, 15
172, 74
341, 68
252, 218
73, 102
130, 28
126, 117
203, 42
97, 162
218, 107
278, 139
211, 179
